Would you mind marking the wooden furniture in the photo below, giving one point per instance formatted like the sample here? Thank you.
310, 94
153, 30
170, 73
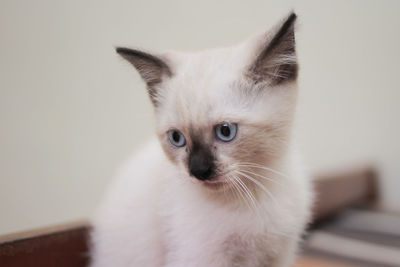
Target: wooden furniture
61, 246
67, 245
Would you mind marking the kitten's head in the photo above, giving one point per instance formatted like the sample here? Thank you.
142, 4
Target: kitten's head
223, 112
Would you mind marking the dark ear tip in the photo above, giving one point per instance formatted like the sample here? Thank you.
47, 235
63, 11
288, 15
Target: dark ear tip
122, 50
291, 18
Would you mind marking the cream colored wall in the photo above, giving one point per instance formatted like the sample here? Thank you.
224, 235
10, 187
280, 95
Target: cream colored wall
71, 110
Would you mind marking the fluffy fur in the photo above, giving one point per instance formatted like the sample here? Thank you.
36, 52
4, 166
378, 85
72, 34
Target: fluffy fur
255, 208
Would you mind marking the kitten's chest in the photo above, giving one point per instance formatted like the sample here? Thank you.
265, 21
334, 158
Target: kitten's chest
235, 239
191, 219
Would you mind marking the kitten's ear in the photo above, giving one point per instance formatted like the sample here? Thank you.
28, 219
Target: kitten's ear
151, 68
276, 60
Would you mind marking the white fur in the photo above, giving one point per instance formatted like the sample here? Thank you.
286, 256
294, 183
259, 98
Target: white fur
155, 214
151, 218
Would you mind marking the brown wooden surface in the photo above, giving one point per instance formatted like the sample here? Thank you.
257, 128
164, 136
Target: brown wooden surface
66, 245
309, 261
335, 192
61, 246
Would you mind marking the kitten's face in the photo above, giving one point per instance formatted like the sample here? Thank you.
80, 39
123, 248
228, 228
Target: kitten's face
206, 102
219, 112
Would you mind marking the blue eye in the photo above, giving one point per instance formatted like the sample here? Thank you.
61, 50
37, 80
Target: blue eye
176, 138
226, 131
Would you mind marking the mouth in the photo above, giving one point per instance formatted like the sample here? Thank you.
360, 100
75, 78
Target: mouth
215, 184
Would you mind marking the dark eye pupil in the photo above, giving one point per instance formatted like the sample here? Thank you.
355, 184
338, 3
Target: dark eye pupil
176, 136
225, 130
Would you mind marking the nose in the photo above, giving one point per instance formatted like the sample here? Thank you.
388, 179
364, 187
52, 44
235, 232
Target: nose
201, 166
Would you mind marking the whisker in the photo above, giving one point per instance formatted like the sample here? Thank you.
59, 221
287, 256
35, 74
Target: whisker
261, 176
250, 203
237, 190
261, 186
247, 191
255, 165
244, 188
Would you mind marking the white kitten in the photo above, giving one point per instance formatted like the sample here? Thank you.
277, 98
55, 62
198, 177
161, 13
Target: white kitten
222, 185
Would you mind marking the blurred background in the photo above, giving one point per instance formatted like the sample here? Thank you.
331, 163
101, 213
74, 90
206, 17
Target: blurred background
71, 110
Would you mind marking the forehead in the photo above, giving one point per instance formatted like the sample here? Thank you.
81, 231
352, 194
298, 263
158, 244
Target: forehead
203, 88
